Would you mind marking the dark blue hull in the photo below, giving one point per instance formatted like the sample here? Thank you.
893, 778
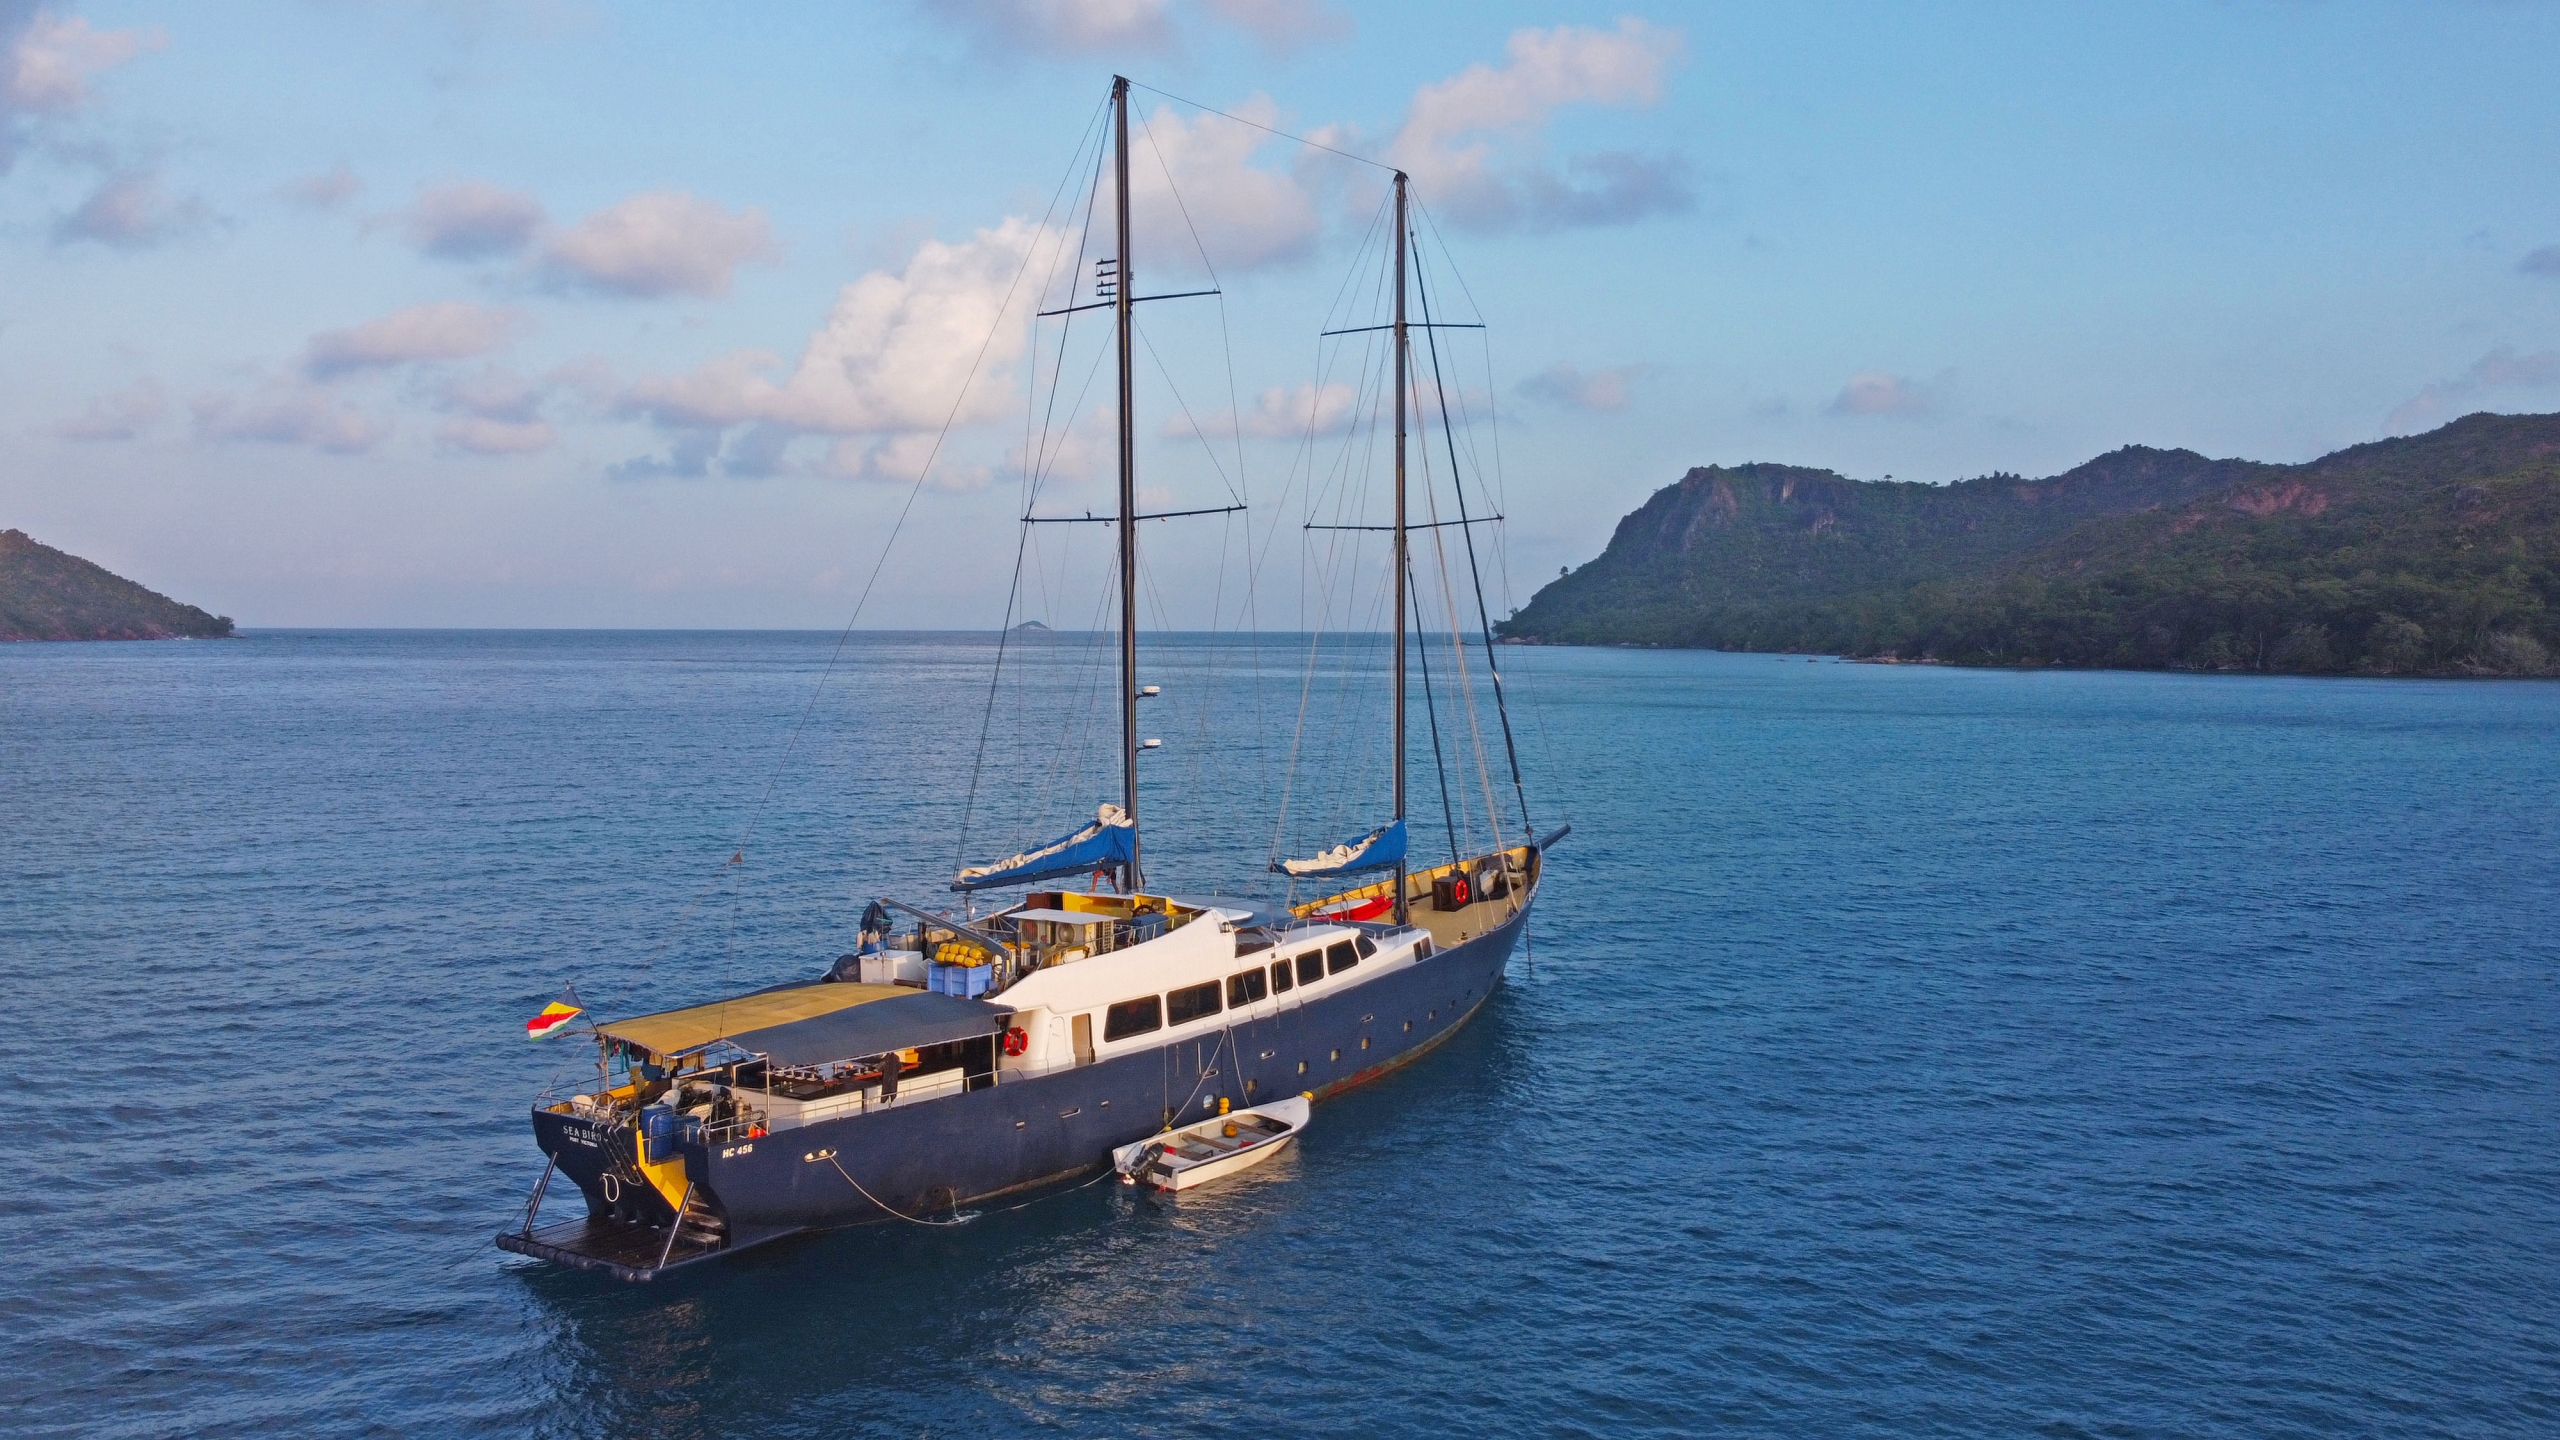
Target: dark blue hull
1024, 1133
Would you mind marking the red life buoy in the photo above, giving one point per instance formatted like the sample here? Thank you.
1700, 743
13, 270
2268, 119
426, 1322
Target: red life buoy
1016, 1040
1459, 890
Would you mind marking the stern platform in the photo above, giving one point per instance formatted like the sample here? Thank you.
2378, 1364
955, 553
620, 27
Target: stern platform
618, 1248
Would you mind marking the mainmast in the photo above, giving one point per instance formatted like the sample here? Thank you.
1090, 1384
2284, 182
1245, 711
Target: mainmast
1121, 301
1403, 361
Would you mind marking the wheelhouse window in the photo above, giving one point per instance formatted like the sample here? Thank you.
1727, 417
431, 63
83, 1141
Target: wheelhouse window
1133, 1017
1245, 989
1193, 1001
1283, 975
1342, 956
1368, 947
1311, 967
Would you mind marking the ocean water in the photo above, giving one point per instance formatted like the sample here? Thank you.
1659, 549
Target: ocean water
1898, 1052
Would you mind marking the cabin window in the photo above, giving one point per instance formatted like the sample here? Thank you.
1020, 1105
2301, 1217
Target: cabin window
1342, 957
1311, 967
1282, 975
1133, 1017
1193, 1001
1245, 989
1368, 947
1422, 948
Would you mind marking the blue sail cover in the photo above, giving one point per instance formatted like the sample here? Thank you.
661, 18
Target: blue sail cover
1111, 840
1380, 849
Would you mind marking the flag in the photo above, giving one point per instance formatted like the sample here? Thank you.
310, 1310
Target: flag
556, 1015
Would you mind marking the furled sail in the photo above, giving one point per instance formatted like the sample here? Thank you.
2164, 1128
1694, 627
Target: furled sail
1380, 849
1110, 841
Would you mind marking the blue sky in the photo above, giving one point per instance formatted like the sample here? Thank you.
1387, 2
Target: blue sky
333, 312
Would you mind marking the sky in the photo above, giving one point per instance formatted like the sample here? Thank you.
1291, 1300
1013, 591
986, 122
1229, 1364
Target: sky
548, 313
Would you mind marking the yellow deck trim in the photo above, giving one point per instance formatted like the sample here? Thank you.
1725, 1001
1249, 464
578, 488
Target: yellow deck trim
677, 1032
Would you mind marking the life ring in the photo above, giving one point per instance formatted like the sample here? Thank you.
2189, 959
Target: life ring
1017, 1040
1459, 890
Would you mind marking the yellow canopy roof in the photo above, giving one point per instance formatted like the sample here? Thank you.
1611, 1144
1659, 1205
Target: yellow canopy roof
678, 1032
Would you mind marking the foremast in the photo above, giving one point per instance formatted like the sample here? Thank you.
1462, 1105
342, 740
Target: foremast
1123, 299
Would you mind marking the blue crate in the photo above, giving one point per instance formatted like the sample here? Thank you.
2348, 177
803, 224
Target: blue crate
966, 981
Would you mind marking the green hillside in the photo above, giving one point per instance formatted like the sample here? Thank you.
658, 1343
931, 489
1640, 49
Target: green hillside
2434, 554
48, 595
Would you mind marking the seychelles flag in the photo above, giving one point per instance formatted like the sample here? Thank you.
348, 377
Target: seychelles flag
556, 1015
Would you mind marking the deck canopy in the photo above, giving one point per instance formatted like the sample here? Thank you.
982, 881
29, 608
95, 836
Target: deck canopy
911, 1020
681, 1032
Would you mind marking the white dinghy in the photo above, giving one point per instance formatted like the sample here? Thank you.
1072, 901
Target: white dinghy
1211, 1149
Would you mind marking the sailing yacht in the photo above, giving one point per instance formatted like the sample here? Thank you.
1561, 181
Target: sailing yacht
962, 1056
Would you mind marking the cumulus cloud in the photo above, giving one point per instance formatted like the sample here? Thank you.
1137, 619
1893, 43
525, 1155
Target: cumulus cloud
1876, 393
46, 63
495, 437
440, 330
665, 242
1563, 384
291, 415
118, 415
2500, 369
1244, 216
325, 191
1287, 412
1053, 27
2544, 262
472, 220
893, 354
1470, 141
129, 212
1284, 26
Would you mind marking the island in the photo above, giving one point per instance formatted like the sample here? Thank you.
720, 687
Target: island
2434, 554
46, 594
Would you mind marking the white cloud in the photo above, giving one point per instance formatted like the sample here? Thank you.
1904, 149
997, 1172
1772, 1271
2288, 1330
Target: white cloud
291, 415
325, 191
440, 330
120, 415
1470, 141
891, 358
47, 60
1876, 393
472, 220
1244, 216
1287, 412
1284, 25
664, 242
495, 437
2500, 369
1563, 384
128, 212
1051, 27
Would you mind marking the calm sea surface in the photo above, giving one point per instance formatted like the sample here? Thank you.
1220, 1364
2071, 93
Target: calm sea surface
1901, 1051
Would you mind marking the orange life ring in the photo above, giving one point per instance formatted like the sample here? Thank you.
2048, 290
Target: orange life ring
1016, 1040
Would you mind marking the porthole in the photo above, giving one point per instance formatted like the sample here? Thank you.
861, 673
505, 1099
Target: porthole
1302, 1067
1337, 1054
1408, 1027
1364, 1042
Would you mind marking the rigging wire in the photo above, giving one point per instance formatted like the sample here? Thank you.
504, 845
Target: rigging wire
1457, 484
1258, 125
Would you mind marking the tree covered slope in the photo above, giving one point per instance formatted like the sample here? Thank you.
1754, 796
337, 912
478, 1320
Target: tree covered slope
48, 595
2434, 554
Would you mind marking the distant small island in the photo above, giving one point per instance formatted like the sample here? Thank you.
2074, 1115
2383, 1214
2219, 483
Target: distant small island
46, 594
2436, 554
1033, 627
